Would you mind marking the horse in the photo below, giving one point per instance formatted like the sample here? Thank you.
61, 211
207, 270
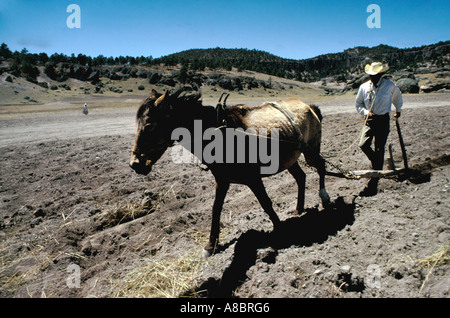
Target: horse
298, 128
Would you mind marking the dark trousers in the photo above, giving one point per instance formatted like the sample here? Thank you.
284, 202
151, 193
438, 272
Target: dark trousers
377, 127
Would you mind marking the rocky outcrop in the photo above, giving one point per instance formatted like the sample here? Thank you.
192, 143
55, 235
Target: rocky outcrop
408, 85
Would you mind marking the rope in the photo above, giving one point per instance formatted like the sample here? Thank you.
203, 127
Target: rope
346, 173
362, 128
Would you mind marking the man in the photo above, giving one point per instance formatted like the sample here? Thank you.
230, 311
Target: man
373, 101
85, 109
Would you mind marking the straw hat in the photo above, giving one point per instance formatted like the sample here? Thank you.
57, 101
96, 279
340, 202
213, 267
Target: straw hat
376, 68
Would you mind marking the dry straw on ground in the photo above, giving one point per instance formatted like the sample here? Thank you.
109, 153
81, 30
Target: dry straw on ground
439, 258
162, 278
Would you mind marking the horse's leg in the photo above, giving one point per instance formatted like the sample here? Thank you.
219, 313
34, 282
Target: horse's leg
258, 189
221, 191
300, 178
313, 158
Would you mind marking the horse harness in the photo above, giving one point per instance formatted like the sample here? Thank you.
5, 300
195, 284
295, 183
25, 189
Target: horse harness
222, 123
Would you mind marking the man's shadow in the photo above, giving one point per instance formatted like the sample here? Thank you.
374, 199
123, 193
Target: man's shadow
312, 227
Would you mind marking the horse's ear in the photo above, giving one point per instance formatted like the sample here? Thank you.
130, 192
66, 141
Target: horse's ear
162, 98
154, 94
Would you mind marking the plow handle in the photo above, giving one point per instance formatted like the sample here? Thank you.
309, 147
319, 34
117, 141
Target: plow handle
402, 144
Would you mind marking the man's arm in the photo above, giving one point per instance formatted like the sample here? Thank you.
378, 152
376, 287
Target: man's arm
360, 106
397, 100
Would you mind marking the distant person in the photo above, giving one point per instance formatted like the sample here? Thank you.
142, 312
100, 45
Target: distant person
85, 109
373, 101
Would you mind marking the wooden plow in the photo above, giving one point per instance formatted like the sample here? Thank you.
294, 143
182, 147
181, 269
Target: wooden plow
358, 174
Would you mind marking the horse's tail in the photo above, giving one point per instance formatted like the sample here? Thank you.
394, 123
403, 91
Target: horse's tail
316, 111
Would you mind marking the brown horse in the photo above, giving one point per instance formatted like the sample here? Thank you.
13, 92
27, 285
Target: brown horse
298, 128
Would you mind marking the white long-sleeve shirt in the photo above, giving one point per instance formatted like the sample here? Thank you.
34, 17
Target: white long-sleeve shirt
386, 93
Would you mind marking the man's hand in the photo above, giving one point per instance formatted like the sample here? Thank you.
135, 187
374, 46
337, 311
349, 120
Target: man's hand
397, 115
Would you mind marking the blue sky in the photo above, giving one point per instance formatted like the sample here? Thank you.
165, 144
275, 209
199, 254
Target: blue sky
288, 28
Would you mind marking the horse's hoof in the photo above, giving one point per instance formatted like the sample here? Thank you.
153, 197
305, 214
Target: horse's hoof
207, 253
324, 197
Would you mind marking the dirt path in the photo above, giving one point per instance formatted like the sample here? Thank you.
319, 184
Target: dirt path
48, 125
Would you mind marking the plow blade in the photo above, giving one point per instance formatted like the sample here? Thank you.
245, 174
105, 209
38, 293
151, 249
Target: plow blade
358, 174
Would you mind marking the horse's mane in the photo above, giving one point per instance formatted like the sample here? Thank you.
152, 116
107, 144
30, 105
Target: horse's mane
145, 103
184, 97
180, 97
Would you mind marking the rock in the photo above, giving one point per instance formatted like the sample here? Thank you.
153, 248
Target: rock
98, 89
142, 74
150, 194
226, 83
146, 202
267, 255
435, 87
116, 76
400, 272
345, 268
125, 70
141, 87
356, 82
86, 248
65, 86
94, 76
404, 74
39, 213
153, 78
443, 74
408, 85
43, 84
35, 222
115, 89
105, 73
167, 81
80, 72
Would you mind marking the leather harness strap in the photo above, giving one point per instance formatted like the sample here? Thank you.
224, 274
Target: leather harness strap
221, 120
290, 116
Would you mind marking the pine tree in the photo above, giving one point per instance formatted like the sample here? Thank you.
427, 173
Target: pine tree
183, 74
5, 52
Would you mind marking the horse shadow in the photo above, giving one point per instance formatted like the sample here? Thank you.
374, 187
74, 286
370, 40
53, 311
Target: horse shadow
314, 226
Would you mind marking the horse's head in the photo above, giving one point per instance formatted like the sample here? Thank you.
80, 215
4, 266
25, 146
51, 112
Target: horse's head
153, 137
157, 117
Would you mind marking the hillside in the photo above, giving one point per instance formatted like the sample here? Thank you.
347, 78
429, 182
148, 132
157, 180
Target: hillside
424, 69
341, 64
